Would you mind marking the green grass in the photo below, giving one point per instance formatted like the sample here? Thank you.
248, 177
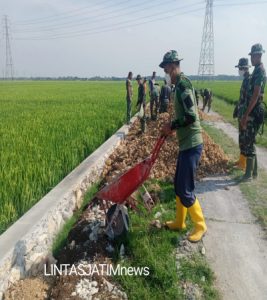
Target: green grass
256, 191
228, 145
226, 90
47, 129
154, 248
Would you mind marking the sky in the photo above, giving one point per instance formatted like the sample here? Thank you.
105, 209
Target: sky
109, 38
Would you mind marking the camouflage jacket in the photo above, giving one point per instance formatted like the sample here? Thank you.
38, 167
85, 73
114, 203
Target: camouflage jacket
258, 78
141, 94
241, 106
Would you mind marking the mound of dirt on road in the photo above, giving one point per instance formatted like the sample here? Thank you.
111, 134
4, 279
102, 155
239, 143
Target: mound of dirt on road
138, 146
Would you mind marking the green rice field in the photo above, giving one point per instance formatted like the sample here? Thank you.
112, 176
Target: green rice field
47, 129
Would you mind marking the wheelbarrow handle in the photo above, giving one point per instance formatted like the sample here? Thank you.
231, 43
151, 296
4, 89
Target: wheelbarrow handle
157, 147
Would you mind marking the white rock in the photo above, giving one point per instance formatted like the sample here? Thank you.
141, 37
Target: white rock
94, 290
109, 248
103, 223
94, 283
122, 251
93, 237
109, 285
157, 215
72, 245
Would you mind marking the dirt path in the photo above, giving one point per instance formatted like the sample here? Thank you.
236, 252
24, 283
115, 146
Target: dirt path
232, 132
235, 245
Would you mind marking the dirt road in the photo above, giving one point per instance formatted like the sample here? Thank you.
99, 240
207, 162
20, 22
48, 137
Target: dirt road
236, 246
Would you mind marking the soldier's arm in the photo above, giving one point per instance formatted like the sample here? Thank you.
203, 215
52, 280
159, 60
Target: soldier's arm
254, 99
189, 116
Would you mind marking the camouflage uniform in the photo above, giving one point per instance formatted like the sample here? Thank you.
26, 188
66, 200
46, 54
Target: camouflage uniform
141, 101
207, 99
129, 96
165, 96
241, 105
258, 78
154, 101
197, 96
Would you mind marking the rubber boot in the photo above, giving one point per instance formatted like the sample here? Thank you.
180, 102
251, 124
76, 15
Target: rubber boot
197, 217
179, 222
238, 161
249, 169
241, 163
255, 169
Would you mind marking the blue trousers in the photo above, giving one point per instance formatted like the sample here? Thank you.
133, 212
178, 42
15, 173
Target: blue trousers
184, 180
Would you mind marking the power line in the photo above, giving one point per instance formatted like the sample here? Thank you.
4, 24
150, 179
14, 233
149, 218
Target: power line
240, 3
141, 8
110, 28
121, 24
62, 15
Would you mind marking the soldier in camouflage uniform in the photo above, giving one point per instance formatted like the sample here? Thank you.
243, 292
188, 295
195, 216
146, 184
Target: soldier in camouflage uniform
141, 101
129, 96
154, 101
189, 133
165, 98
243, 68
197, 96
254, 113
207, 99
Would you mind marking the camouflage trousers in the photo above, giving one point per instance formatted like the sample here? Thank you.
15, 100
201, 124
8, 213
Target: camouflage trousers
129, 109
164, 104
207, 101
154, 107
247, 138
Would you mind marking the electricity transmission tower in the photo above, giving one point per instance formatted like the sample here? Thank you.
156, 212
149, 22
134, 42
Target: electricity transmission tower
206, 59
9, 71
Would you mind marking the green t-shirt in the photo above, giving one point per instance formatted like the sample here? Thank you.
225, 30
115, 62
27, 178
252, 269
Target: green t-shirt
189, 136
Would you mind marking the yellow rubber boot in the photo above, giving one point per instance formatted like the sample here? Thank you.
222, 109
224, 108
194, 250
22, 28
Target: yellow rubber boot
241, 163
179, 222
197, 217
238, 161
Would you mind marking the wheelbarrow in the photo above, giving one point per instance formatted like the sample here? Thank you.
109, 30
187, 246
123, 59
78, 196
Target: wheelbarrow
119, 193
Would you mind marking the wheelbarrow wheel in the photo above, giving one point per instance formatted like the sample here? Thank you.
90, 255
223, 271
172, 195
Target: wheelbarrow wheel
118, 225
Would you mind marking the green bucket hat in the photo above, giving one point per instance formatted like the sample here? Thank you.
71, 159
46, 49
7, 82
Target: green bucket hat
256, 49
243, 63
170, 57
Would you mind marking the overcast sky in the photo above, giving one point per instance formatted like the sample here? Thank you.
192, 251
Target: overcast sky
109, 38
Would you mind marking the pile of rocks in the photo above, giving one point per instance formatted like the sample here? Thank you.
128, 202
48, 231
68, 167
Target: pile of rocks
137, 147
89, 289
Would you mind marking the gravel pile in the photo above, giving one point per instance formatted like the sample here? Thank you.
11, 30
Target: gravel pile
137, 147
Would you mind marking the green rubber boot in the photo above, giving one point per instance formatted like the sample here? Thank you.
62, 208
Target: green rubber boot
249, 169
255, 169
